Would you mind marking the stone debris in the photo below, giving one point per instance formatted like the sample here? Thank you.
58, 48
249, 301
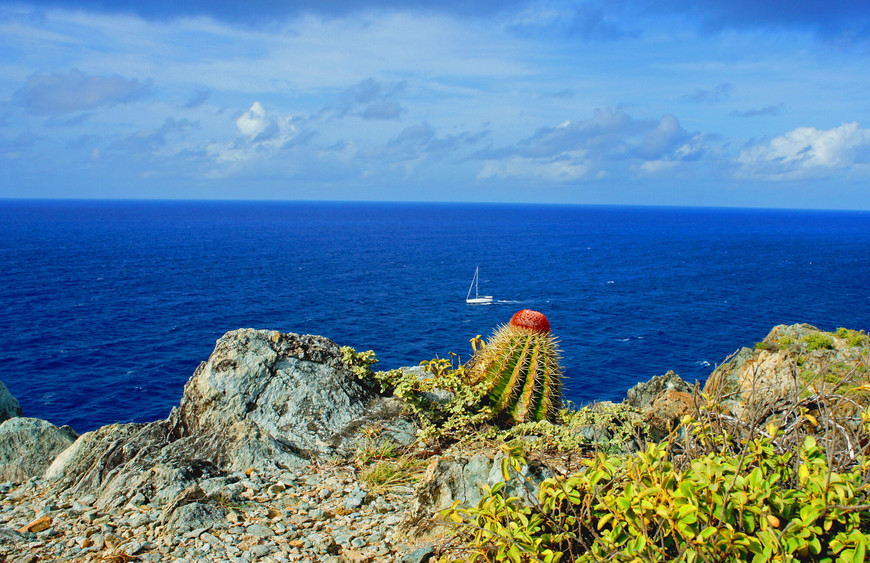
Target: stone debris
286, 516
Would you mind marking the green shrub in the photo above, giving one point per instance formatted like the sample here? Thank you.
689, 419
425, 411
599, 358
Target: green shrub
513, 379
852, 337
743, 499
785, 342
465, 411
818, 341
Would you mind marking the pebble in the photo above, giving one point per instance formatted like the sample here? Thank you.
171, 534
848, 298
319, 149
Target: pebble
321, 515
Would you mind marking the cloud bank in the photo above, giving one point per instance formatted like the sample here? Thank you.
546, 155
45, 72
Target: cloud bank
807, 152
74, 91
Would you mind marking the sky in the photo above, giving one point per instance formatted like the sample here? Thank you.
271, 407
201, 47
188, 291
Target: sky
698, 103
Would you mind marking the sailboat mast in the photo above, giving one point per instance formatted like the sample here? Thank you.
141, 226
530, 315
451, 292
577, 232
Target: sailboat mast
473, 284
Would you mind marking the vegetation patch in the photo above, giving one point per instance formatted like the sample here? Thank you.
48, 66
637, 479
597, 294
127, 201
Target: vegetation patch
818, 341
853, 337
712, 496
788, 481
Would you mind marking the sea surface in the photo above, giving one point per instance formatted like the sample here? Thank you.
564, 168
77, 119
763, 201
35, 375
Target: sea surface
109, 306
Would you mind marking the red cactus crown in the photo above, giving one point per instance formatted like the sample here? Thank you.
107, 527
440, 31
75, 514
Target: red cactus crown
532, 320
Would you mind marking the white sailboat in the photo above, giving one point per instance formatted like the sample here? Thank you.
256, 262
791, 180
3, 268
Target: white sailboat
477, 299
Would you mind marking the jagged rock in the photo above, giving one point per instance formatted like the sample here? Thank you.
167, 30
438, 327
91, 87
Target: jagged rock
420, 555
664, 400
751, 382
262, 399
459, 477
28, 446
666, 412
295, 388
9, 407
643, 394
9, 536
195, 515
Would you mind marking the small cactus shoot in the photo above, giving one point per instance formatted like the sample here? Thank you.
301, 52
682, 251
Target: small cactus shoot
519, 368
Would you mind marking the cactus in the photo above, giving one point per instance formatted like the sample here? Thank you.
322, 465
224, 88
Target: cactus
519, 370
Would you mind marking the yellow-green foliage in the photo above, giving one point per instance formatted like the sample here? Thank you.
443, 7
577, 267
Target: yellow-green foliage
464, 410
608, 427
852, 337
760, 503
818, 341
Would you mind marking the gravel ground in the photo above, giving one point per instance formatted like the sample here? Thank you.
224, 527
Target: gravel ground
318, 514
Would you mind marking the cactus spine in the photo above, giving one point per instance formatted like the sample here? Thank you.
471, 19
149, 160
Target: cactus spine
519, 370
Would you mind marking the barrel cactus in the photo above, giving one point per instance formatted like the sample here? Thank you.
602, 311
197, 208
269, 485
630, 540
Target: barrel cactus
519, 371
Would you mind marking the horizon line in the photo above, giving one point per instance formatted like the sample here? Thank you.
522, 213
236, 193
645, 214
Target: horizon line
419, 202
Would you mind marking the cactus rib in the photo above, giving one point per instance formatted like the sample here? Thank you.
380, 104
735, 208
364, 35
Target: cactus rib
519, 370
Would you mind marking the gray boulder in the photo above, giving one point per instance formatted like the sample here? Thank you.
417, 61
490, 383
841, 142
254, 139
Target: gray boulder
9, 407
295, 389
262, 400
28, 446
461, 477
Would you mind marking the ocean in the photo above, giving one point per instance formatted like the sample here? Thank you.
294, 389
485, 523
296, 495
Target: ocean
109, 306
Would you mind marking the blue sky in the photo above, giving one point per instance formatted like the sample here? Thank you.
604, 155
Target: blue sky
722, 103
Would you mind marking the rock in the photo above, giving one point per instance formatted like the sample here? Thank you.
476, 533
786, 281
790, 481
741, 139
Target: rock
192, 494
9, 407
420, 555
193, 516
10, 536
643, 395
451, 478
751, 383
133, 548
296, 389
263, 399
29, 445
356, 498
260, 531
40, 524
666, 412
116, 459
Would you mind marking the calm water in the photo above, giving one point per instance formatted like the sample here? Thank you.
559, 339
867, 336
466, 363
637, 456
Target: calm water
108, 307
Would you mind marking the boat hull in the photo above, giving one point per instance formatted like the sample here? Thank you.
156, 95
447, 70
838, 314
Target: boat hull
483, 300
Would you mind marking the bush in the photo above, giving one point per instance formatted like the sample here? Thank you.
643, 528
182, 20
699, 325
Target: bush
777, 494
852, 337
818, 341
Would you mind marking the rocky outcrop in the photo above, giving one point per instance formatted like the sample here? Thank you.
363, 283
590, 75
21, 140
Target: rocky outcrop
262, 399
792, 359
664, 400
462, 478
9, 407
667, 411
28, 446
643, 394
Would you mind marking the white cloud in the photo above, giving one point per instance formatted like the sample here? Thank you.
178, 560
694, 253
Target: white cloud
263, 135
253, 122
807, 152
568, 167
658, 167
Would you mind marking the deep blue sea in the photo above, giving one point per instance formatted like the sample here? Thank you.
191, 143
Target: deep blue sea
109, 306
